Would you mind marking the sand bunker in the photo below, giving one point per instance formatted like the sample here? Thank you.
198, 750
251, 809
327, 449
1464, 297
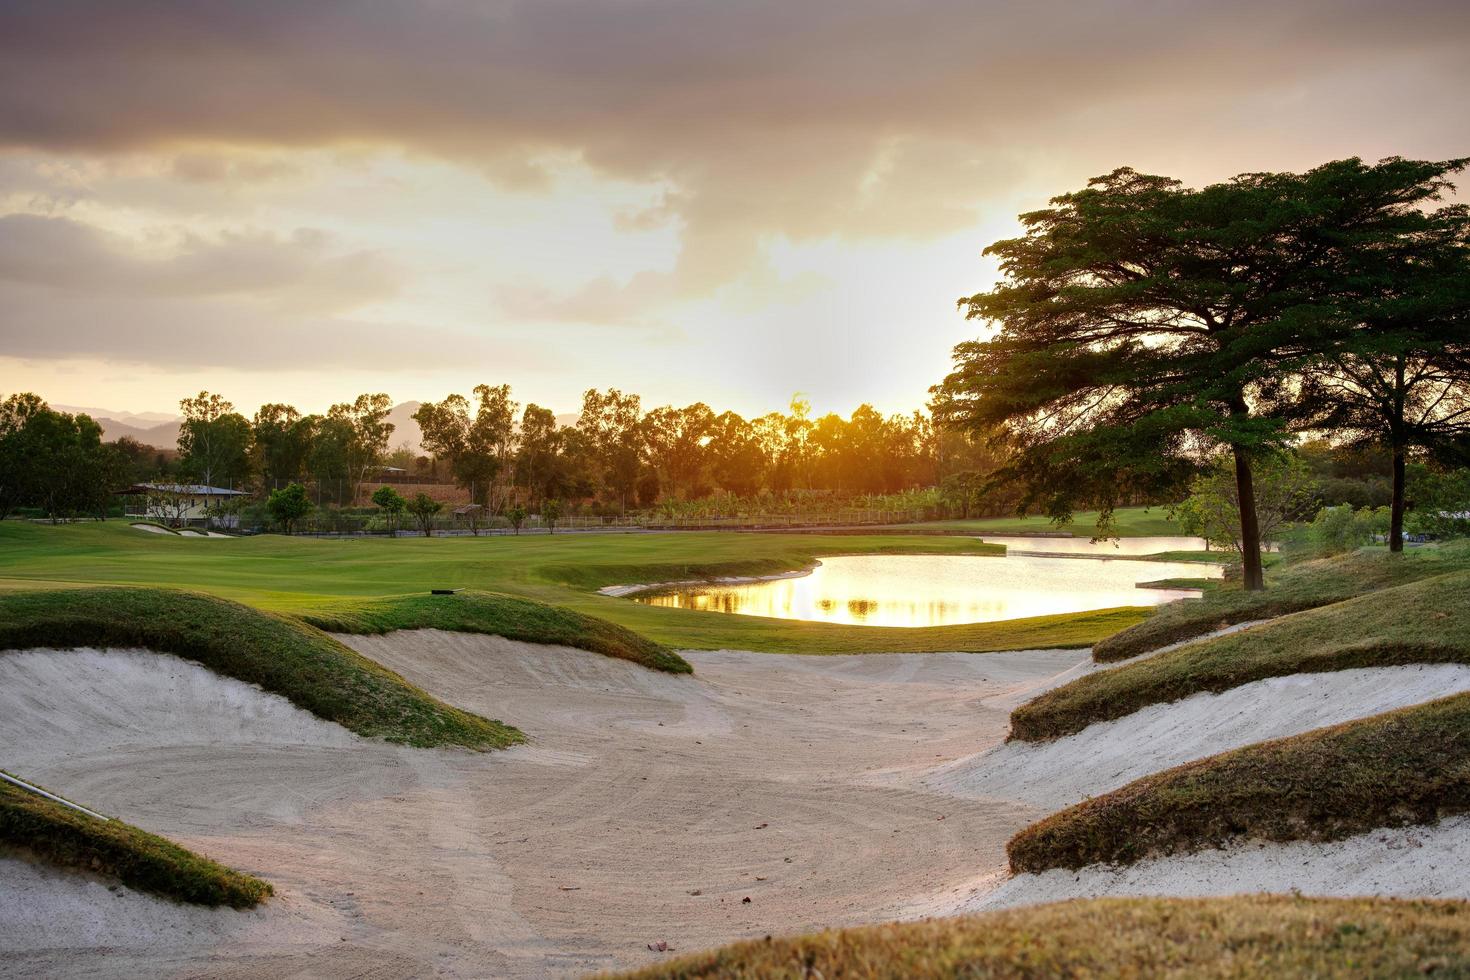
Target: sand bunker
1111, 754
181, 533
62, 703
1404, 862
646, 808
829, 791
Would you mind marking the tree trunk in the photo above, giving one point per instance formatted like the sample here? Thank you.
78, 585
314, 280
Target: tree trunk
1253, 579
1396, 520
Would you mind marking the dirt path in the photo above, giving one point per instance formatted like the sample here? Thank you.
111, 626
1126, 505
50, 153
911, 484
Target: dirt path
647, 808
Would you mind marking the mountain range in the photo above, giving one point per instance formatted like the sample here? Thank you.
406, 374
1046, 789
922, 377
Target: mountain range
162, 431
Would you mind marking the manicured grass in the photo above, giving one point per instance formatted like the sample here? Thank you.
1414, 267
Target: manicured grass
1291, 588
1419, 623
282, 655
46, 830
1130, 522
315, 576
1242, 937
1402, 767
500, 615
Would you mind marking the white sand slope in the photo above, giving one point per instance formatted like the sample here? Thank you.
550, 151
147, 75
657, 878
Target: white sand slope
77, 700
1111, 754
829, 790
1420, 862
647, 807
151, 528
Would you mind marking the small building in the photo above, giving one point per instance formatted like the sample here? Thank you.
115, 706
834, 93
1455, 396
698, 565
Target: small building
178, 504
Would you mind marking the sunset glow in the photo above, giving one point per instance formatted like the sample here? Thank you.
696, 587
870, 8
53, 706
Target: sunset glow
695, 201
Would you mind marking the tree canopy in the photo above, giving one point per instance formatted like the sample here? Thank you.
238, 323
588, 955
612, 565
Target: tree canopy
1144, 326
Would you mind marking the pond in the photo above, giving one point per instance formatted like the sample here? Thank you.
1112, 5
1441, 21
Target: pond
940, 590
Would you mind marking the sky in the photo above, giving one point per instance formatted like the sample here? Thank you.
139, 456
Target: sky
695, 200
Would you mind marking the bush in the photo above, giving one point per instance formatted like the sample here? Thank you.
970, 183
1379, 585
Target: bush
1336, 530
1441, 504
288, 505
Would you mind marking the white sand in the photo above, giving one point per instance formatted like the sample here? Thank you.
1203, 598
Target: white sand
59, 703
830, 790
181, 533
569, 855
1111, 754
1427, 862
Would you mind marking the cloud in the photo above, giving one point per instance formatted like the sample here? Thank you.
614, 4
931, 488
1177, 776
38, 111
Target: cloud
155, 332
746, 129
298, 273
821, 118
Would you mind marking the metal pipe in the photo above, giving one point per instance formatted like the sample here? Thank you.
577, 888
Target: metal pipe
50, 796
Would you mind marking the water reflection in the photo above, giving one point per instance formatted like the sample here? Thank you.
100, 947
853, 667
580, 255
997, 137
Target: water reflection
937, 590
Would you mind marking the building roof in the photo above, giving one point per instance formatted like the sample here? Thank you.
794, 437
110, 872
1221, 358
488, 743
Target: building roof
183, 490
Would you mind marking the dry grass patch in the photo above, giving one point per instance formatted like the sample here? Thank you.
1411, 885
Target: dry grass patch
1255, 936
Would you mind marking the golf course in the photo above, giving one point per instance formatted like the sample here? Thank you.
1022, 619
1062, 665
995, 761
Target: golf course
327, 578
468, 722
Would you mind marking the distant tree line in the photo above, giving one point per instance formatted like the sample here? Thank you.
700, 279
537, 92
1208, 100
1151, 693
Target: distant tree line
617, 456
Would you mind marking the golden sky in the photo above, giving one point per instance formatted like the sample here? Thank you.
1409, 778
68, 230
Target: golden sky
692, 199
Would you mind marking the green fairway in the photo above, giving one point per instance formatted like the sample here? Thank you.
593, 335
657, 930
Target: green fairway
331, 576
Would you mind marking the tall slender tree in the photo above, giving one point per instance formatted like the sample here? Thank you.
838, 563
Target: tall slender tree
365, 419
214, 440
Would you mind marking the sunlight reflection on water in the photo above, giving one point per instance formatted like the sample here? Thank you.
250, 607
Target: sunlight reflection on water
939, 590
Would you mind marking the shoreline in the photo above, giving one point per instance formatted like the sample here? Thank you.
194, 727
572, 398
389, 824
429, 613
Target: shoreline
622, 591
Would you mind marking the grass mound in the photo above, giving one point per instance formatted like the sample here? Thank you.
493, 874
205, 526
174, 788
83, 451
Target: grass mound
500, 615
283, 656
1296, 587
1402, 767
42, 828
1250, 936
1423, 622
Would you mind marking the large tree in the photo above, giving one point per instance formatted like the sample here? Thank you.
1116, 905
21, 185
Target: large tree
611, 425
365, 420
477, 447
1143, 323
214, 440
281, 443
540, 465
676, 440
21, 455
